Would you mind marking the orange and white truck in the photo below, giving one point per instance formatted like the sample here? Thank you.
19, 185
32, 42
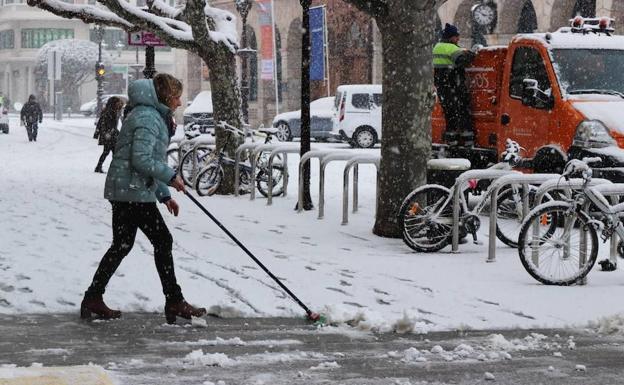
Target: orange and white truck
560, 95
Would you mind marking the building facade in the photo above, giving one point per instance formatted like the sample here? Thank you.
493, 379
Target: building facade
354, 44
24, 30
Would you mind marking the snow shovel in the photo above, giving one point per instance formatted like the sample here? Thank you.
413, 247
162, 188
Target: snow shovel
312, 316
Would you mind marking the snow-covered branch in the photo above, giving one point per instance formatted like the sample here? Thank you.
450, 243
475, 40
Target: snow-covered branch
170, 24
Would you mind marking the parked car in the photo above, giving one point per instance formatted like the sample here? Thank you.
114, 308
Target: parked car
357, 114
4, 120
200, 113
288, 124
88, 108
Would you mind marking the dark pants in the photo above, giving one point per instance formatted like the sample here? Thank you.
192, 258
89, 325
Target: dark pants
127, 218
107, 150
31, 130
455, 101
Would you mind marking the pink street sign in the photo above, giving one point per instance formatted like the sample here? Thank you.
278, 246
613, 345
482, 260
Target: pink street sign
143, 38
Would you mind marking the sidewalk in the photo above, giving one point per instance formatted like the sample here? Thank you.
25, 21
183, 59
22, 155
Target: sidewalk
140, 349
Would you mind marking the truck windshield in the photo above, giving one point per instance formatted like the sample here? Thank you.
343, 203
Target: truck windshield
590, 71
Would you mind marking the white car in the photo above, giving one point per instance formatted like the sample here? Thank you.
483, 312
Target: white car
288, 124
88, 108
200, 113
4, 120
357, 114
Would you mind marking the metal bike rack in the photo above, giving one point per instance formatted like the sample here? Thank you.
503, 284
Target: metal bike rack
200, 141
338, 155
239, 150
566, 186
283, 149
496, 187
306, 158
461, 180
254, 154
611, 190
353, 163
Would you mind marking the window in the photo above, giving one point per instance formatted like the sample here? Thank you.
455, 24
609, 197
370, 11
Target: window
378, 99
527, 64
7, 39
360, 101
37, 37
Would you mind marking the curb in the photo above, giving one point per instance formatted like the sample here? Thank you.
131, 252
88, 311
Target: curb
59, 375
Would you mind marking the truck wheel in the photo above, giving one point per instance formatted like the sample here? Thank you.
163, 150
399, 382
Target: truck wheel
365, 137
548, 160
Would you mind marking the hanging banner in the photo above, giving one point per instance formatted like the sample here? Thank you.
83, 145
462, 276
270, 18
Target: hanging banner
317, 43
266, 39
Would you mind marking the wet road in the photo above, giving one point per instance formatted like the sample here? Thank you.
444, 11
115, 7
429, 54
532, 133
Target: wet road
141, 349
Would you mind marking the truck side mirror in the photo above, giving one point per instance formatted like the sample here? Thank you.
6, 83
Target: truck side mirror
533, 96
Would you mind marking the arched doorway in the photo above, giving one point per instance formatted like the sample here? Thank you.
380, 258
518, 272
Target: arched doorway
585, 8
527, 22
564, 10
292, 97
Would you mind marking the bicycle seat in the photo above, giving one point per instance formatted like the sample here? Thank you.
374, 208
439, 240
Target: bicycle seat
268, 130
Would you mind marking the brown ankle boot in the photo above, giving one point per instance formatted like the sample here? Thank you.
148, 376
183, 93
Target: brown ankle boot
182, 309
96, 305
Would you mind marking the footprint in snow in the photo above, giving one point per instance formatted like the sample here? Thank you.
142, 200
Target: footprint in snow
344, 283
382, 302
281, 256
379, 291
339, 291
36, 302
308, 243
62, 301
310, 268
354, 304
275, 231
6, 288
25, 290
22, 277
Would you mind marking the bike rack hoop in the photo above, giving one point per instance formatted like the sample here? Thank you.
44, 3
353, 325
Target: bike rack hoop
239, 150
304, 159
497, 186
254, 154
487, 173
281, 149
325, 160
353, 162
566, 185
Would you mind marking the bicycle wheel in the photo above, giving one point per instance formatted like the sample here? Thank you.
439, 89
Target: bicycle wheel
244, 181
262, 181
209, 179
557, 246
510, 213
172, 158
427, 220
186, 163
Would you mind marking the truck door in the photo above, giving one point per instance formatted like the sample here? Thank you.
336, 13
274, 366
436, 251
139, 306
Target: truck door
528, 123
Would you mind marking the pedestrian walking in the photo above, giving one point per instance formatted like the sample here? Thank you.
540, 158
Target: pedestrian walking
449, 62
31, 116
106, 129
138, 176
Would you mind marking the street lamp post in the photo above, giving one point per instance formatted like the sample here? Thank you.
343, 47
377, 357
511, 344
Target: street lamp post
99, 68
305, 101
243, 7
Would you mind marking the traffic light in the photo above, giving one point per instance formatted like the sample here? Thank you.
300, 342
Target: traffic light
100, 71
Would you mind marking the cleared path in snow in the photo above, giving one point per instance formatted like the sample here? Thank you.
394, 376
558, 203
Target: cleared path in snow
140, 349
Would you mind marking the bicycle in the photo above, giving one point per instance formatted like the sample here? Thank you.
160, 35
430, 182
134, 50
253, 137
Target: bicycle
558, 241
209, 178
427, 212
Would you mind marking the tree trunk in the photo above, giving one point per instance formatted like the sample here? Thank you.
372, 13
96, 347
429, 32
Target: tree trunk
407, 41
226, 103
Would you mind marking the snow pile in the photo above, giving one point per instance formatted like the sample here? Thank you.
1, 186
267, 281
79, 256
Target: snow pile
609, 325
325, 366
198, 358
224, 311
495, 348
235, 341
369, 320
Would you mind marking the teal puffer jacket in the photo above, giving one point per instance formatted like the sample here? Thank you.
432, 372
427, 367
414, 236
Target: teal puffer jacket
139, 170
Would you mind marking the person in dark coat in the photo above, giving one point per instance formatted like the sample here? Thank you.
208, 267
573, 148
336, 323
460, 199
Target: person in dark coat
30, 116
137, 177
449, 62
106, 129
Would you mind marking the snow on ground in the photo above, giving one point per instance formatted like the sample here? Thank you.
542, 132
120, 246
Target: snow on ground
56, 226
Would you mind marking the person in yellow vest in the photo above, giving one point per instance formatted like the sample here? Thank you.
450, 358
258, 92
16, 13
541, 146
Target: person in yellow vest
449, 62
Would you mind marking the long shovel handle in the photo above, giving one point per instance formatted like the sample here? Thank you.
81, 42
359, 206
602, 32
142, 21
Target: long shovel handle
309, 312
